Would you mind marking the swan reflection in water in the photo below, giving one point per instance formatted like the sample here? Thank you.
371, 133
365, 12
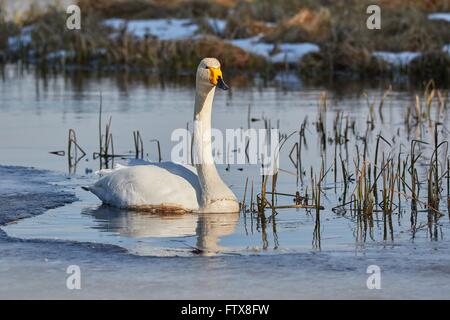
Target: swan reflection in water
208, 228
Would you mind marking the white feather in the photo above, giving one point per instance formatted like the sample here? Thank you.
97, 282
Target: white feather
157, 184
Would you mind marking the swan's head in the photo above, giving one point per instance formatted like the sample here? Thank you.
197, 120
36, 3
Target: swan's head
209, 74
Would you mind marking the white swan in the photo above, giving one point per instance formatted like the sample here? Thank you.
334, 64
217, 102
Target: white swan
172, 187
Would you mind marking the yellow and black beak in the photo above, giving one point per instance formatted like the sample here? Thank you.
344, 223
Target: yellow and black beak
215, 76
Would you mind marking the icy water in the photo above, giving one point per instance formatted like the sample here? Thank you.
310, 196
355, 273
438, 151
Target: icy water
288, 254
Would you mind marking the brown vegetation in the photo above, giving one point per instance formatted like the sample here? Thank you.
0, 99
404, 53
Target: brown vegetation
338, 27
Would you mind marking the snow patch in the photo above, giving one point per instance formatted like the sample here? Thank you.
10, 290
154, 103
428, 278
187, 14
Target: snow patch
60, 54
163, 29
23, 39
218, 25
285, 52
439, 16
397, 58
446, 49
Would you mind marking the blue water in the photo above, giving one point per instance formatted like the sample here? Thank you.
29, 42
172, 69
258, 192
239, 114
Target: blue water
126, 254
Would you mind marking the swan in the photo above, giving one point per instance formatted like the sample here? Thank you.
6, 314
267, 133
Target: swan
173, 187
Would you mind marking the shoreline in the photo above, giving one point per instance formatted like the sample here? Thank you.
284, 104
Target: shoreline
318, 41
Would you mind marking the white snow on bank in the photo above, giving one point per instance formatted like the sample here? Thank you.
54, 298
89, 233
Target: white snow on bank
217, 25
285, 52
24, 39
439, 16
175, 29
403, 58
397, 58
60, 55
446, 49
164, 29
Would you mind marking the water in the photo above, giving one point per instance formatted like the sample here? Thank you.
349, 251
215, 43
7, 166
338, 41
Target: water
37, 113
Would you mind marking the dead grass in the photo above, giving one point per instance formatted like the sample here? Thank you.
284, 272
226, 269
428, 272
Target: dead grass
93, 46
3, 37
238, 27
425, 5
179, 56
405, 27
148, 9
307, 25
431, 65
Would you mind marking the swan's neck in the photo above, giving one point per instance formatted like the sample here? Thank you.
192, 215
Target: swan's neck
213, 188
202, 128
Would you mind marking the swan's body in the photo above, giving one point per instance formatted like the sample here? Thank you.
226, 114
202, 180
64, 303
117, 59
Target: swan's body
172, 187
163, 186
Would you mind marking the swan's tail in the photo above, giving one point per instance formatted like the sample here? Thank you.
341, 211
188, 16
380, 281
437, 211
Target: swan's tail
86, 188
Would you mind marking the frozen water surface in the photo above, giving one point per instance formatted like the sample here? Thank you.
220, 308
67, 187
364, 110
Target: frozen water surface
48, 222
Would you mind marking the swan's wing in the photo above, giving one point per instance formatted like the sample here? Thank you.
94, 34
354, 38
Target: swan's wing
157, 184
140, 162
125, 163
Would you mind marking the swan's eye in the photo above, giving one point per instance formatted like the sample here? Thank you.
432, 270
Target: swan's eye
206, 67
